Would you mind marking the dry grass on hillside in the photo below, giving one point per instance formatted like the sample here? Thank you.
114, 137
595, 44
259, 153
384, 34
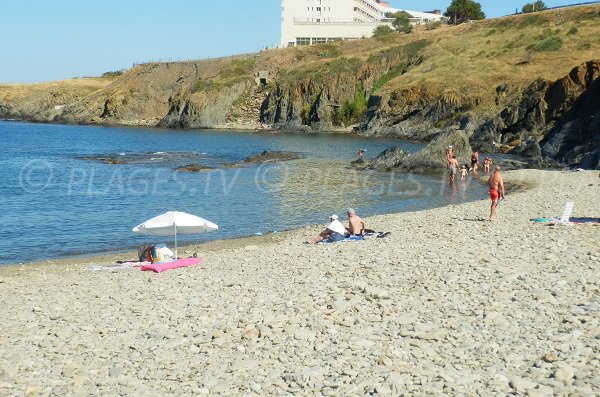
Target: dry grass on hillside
84, 85
512, 50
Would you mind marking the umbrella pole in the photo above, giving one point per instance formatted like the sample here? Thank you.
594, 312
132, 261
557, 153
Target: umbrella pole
176, 257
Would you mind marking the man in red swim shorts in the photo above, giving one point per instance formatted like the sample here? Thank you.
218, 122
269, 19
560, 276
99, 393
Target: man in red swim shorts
496, 185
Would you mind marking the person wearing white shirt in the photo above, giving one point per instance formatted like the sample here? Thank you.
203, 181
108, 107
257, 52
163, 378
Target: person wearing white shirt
333, 232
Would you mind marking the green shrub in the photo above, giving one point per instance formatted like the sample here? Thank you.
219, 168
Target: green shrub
411, 49
205, 86
237, 67
386, 78
305, 113
326, 51
401, 21
433, 25
343, 65
382, 31
113, 73
552, 43
352, 112
406, 52
572, 31
532, 20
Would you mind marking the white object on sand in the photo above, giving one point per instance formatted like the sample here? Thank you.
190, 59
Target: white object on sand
564, 218
173, 222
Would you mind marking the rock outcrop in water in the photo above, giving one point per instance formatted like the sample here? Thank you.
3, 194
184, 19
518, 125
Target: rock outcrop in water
432, 157
270, 156
194, 167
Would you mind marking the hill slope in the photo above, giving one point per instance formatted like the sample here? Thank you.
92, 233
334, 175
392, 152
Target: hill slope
528, 82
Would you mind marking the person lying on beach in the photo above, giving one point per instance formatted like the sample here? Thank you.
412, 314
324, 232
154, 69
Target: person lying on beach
496, 185
356, 225
335, 231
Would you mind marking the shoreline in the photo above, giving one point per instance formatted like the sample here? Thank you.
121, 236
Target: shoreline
130, 254
447, 304
223, 128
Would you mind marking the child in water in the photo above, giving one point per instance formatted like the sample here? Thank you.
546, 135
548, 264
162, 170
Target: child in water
463, 173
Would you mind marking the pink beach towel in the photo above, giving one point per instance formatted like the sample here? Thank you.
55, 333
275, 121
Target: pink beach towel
161, 267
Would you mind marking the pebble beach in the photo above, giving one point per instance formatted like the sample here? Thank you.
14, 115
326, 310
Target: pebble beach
447, 304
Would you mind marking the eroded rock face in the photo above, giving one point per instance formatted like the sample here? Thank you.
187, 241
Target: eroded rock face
201, 110
550, 122
558, 120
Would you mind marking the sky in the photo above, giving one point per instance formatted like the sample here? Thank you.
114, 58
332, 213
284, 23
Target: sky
57, 39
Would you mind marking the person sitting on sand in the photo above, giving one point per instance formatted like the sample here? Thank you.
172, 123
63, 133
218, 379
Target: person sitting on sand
335, 231
356, 225
496, 185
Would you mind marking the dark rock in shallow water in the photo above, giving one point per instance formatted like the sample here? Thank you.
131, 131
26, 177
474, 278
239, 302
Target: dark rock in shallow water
389, 159
359, 164
107, 160
267, 156
194, 167
432, 157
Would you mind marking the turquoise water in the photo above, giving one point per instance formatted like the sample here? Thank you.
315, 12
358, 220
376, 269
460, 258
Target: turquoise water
57, 202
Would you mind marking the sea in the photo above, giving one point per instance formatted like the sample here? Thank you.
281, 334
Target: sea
71, 190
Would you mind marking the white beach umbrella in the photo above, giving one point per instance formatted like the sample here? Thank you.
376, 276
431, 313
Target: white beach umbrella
174, 222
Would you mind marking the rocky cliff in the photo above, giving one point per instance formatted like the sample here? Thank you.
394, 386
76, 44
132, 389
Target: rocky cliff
524, 84
558, 121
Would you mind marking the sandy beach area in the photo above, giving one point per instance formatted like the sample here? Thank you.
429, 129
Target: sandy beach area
447, 304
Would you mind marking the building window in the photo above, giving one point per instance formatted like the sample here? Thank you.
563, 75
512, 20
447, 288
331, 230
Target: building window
302, 41
319, 40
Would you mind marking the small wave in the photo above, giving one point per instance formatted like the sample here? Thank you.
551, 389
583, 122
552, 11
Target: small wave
159, 153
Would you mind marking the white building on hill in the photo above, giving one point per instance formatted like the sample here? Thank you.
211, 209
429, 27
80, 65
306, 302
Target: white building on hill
305, 22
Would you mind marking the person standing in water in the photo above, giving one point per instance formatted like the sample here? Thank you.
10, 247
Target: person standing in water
475, 161
453, 169
361, 153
